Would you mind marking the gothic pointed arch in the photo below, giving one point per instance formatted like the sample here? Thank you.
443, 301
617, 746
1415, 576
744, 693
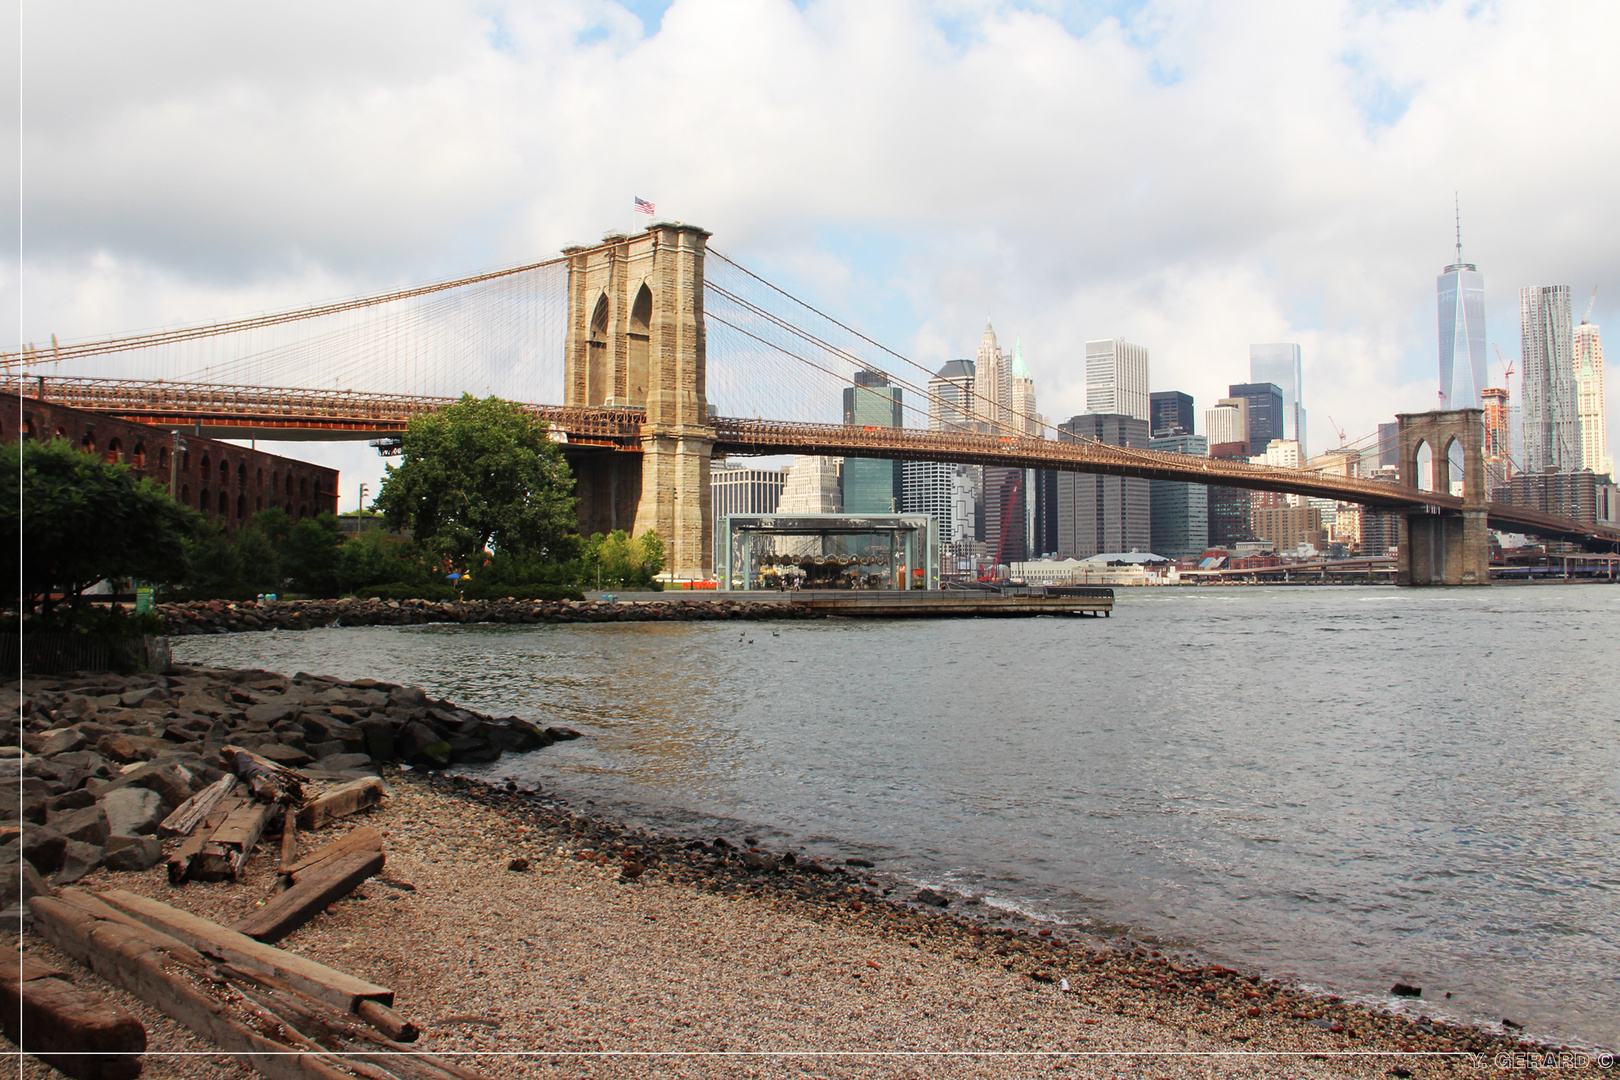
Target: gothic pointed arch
639, 339
598, 366
1423, 460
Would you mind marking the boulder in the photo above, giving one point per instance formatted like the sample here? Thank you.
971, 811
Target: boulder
127, 853
123, 749
172, 781
379, 737
272, 712
78, 859
43, 846
282, 754
133, 811
470, 751
145, 698
322, 750
54, 741
418, 744
20, 878
88, 825
77, 799
347, 762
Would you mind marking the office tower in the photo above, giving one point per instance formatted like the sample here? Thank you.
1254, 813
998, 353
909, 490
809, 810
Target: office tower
1227, 425
1006, 492
1265, 420
1589, 406
1279, 364
1552, 432
992, 386
1170, 413
738, 489
812, 487
872, 485
942, 490
950, 397
1286, 527
1279, 454
1388, 451
1582, 495
1024, 419
1103, 514
1461, 293
1498, 437
1179, 512
1117, 378
1043, 515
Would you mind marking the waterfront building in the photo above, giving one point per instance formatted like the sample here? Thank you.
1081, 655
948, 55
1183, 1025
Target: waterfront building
1279, 363
1460, 290
1103, 513
1179, 513
1227, 424
739, 489
1104, 568
1287, 528
813, 486
1230, 509
1171, 413
1117, 378
1388, 451
1006, 514
1279, 454
1043, 513
1581, 494
1587, 346
1265, 419
992, 386
943, 490
872, 485
1552, 428
950, 397
1380, 529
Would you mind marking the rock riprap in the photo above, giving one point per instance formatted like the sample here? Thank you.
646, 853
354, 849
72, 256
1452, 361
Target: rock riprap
220, 616
105, 758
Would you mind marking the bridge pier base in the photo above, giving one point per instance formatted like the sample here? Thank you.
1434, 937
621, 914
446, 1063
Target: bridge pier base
674, 498
1440, 546
608, 486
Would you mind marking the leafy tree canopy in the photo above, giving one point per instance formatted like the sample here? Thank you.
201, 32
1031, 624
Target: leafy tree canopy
619, 559
479, 474
83, 520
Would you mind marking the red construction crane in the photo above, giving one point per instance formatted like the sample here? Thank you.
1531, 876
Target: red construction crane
1507, 367
1339, 431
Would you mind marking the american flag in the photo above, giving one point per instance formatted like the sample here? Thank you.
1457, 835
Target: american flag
643, 206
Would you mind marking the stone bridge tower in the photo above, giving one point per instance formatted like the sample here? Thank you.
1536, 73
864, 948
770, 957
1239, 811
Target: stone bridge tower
636, 339
1445, 546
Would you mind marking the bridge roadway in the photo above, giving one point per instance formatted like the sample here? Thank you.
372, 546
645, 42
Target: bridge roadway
242, 412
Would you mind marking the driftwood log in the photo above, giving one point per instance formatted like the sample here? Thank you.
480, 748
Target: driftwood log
341, 801
75, 1031
312, 894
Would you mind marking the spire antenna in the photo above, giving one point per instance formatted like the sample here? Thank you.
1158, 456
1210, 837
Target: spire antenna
1457, 207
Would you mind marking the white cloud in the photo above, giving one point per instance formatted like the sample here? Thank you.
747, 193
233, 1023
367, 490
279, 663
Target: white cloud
1196, 178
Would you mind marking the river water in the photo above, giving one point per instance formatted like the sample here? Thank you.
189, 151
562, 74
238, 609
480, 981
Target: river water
1348, 787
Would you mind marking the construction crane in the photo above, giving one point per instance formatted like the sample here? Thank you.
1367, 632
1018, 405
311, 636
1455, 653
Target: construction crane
1507, 368
1339, 431
1588, 316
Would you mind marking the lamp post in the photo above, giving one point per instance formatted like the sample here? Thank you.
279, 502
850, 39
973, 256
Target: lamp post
362, 507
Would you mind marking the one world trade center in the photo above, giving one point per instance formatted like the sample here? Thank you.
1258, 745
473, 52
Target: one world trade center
1462, 333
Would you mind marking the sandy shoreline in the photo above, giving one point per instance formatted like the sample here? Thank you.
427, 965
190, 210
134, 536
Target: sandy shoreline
714, 962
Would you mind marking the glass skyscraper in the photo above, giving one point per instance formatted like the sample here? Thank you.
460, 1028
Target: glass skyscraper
1462, 334
1552, 426
1279, 364
872, 485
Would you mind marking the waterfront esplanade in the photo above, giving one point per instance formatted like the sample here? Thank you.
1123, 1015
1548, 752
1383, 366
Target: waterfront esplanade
827, 551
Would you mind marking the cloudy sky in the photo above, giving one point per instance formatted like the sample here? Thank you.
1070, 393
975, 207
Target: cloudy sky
1192, 176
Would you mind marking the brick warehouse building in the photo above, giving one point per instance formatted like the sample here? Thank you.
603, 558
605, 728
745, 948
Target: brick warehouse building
219, 478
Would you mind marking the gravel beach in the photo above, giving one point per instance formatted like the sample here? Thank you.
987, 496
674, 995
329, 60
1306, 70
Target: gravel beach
706, 960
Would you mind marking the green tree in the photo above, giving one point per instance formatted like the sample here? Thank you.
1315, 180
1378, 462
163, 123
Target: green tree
83, 520
618, 560
312, 553
213, 564
479, 474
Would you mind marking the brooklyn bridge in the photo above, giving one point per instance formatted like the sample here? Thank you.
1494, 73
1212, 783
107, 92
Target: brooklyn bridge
651, 354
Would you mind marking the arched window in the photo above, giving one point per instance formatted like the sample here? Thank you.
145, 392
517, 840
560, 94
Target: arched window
303, 512
163, 457
258, 504
202, 466
185, 461
224, 503
258, 477
88, 443
30, 433
640, 334
224, 471
303, 488
185, 494
241, 507
288, 508
275, 481
59, 433
596, 358
1453, 481
115, 451
241, 474
202, 501
138, 456
1425, 466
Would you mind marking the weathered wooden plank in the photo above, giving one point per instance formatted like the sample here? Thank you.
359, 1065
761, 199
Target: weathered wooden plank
289, 840
306, 976
225, 852
364, 838
75, 1031
387, 1021
92, 905
126, 959
181, 858
268, 781
342, 801
311, 896
195, 809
